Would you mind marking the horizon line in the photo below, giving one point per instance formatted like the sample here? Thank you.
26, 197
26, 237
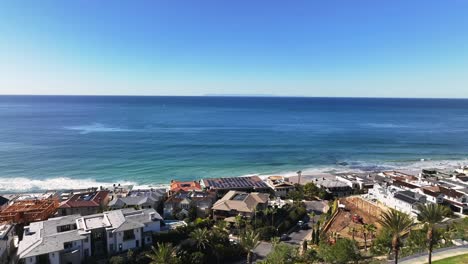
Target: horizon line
232, 95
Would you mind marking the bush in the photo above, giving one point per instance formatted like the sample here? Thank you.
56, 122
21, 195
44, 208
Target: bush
266, 233
117, 260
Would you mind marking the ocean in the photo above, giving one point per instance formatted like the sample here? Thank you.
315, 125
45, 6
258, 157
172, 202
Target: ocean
74, 141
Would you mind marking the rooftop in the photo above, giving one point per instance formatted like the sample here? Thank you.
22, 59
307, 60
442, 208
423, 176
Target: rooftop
240, 201
88, 199
185, 186
252, 182
46, 236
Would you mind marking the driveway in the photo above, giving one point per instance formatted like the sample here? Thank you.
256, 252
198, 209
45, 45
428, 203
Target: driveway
262, 250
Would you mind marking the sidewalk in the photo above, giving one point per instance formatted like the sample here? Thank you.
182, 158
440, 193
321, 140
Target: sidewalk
442, 254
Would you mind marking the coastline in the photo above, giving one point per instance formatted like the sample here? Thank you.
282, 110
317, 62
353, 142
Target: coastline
28, 185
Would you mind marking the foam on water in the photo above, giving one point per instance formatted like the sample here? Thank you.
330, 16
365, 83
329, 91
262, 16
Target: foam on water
96, 128
23, 184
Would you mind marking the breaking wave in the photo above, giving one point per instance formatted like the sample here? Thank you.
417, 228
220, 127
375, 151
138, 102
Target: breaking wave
23, 184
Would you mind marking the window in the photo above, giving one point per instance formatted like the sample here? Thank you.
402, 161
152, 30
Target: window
120, 247
111, 235
67, 245
86, 252
128, 235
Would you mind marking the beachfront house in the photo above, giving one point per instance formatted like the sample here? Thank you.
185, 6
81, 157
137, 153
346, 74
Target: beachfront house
7, 246
280, 185
242, 184
185, 186
236, 203
74, 238
334, 187
84, 203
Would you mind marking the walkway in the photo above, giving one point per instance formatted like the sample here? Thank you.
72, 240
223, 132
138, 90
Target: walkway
440, 254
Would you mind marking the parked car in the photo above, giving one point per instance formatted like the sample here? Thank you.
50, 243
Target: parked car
284, 237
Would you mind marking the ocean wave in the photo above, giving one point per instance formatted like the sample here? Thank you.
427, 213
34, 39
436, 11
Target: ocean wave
96, 128
23, 184
384, 125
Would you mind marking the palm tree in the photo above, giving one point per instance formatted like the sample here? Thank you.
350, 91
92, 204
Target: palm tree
371, 230
365, 232
249, 241
398, 224
164, 253
201, 237
431, 214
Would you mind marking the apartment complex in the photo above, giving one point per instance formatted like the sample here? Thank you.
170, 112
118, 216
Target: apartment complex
74, 238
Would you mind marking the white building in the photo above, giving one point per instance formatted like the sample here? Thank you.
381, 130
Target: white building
396, 198
6, 242
73, 238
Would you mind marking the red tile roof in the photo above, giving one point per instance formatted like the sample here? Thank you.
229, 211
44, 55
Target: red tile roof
185, 186
90, 199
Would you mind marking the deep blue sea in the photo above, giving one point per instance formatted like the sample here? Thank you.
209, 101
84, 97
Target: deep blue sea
71, 141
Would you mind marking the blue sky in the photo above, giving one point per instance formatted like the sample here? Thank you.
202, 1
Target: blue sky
292, 48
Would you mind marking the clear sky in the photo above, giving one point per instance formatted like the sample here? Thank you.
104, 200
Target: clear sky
373, 48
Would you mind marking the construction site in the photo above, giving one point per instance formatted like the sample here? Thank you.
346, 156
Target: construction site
355, 219
27, 211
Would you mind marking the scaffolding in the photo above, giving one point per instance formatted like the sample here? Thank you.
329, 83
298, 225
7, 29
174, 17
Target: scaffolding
27, 211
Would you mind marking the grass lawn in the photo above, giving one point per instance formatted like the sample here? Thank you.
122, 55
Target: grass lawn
453, 260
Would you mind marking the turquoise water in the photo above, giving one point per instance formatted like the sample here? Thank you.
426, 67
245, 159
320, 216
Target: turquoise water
54, 140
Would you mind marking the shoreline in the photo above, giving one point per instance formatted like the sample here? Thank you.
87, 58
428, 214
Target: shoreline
27, 185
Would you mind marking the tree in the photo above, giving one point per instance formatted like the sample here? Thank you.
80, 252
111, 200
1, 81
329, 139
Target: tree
249, 240
164, 253
282, 253
117, 260
397, 223
201, 238
343, 251
130, 256
431, 214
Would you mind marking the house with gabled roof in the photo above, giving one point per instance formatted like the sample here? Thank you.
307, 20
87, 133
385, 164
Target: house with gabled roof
236, 203
84, 203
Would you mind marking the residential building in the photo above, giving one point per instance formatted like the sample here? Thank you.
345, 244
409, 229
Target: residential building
334, 187
357, 181
181, 202
243, 184
236, 203
7, 232
280, 185
186, 186
397, 198
23, 211
84, 203
74, 238
141, 199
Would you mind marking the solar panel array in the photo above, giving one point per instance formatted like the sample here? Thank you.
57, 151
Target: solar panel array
236, 183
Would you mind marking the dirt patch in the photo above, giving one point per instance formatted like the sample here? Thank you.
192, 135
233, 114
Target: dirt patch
363, 213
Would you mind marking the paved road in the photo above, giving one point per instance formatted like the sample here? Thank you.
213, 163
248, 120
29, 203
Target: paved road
421, 259
262, 250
